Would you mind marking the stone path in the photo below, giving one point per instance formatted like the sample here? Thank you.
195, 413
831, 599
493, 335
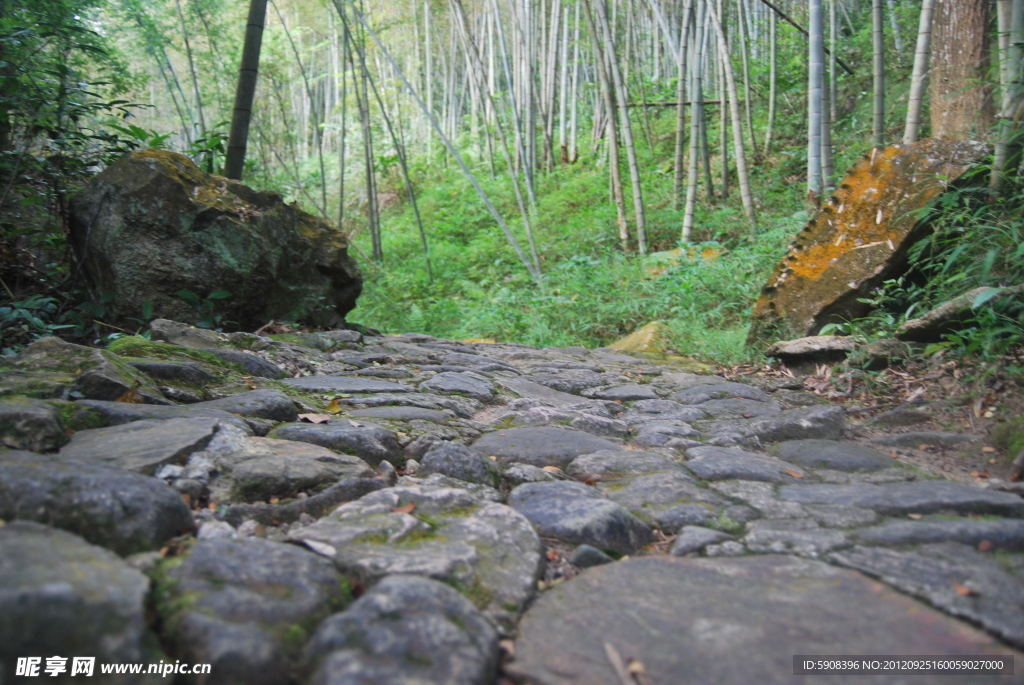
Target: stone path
333, 509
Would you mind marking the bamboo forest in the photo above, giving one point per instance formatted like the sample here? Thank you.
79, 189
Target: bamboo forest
511, 342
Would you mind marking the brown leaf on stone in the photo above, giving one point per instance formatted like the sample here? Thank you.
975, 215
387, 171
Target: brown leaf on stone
315, 418
552, 555
794, 473
963, 590
405, 508
131, 396
552, 469
916, 517
333, 407
984, 546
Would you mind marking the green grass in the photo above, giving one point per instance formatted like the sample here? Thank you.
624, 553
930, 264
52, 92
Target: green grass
592, 293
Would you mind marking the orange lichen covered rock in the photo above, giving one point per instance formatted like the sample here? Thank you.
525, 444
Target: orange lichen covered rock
153, 223
859, 238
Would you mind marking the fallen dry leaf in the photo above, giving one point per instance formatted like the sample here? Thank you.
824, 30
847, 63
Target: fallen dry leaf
275, 500
988, 449
334, 407
552, 469
131, 396
552, 555
493, 457
984, 546
315, 418
405, 508
916, 517
794, 473
963, 590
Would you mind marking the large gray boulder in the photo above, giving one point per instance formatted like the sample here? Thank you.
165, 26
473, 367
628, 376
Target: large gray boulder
152, 224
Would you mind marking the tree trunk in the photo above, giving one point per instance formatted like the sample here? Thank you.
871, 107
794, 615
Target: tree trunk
737, 128
696, 111
614, 169
627, 130
773, 90
878, 43
960, 102
833, 87
920, 74
815, 75
742, 22
246, 90
684, 36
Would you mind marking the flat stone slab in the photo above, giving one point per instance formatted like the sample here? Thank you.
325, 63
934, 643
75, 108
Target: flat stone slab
455, 460
544, 446
803, 537
453, 383
256, 469
578, 514
527, 388
116, 413
627, 393
646, 411
990, 533
668, 500
621, 463
405, 629
574, 381
739, 408
804, 423
106, 505
724, 463
830, 454
372, 444
142, 446
63, 596
344, 384
250, 363
955, 578
265, 404
915, 439
240, 605
767, 608
176, 371
487, 550
703, 389
695, 538
400, 414
464, 407
918, 497
666, 434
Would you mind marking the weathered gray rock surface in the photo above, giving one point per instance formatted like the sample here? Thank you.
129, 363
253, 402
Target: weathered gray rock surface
107, 506
277, 261
407, 629
59, 595
459, 489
